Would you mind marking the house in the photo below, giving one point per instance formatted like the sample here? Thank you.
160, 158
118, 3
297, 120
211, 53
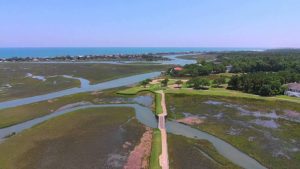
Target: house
228, 68
293, 89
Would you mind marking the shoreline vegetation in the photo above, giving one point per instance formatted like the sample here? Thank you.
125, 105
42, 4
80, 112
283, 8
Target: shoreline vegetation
51, 144
15, 82
155, 150
100, 58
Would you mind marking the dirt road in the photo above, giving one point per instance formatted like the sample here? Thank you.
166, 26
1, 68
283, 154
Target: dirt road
163, 158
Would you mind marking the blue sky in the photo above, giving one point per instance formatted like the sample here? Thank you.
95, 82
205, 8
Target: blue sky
149, 23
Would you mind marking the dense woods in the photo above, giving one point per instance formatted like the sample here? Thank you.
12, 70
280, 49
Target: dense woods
262, 73
245, 62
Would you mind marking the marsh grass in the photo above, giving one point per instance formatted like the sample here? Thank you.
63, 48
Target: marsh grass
86, 138
14, 74
15, 115
273, 147
195, 154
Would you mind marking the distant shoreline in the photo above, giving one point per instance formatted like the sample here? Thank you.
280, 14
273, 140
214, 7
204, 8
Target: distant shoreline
6, 53
100, 58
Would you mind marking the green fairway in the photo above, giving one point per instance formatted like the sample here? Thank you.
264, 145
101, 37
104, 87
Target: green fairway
230, 93
156, 150
158, 106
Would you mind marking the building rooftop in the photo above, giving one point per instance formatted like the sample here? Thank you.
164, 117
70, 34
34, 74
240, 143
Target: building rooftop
178, 68
294, 86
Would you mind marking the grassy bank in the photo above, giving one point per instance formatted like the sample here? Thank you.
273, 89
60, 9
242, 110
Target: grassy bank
230, 93
156, 150
136, 89
150, 88
158, 106
195, 154
80, 139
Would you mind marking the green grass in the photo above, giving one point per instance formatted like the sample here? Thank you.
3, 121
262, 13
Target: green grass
151, 88
155, 150
158, 107
136, 89
230, 93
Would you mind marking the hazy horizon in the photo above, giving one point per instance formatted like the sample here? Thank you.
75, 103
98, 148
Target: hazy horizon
135, 23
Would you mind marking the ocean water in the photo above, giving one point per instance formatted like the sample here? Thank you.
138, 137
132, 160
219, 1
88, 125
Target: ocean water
52, 52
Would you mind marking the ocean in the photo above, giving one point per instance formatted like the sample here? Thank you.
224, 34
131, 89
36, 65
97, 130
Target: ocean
77, 51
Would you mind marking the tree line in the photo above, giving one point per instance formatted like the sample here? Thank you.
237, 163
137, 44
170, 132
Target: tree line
263, 83
269, 61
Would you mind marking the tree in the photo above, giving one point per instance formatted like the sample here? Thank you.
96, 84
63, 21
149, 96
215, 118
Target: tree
178, 82
145, 82
164, 82
219, 81
201, 83
234, 83
261, 83
198, 83
265, 90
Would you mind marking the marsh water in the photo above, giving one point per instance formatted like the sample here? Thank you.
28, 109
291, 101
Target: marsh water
146, 117
85, 87
142, 112
225, 149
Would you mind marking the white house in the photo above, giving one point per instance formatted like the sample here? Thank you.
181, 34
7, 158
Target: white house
293, 89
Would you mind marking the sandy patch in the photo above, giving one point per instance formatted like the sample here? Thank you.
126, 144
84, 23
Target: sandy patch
156, 81
139, 156
192, 120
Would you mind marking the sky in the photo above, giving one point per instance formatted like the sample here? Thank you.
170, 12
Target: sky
150, 23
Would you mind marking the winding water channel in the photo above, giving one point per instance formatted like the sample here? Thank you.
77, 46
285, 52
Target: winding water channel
84, 88
143, 114
146, 117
